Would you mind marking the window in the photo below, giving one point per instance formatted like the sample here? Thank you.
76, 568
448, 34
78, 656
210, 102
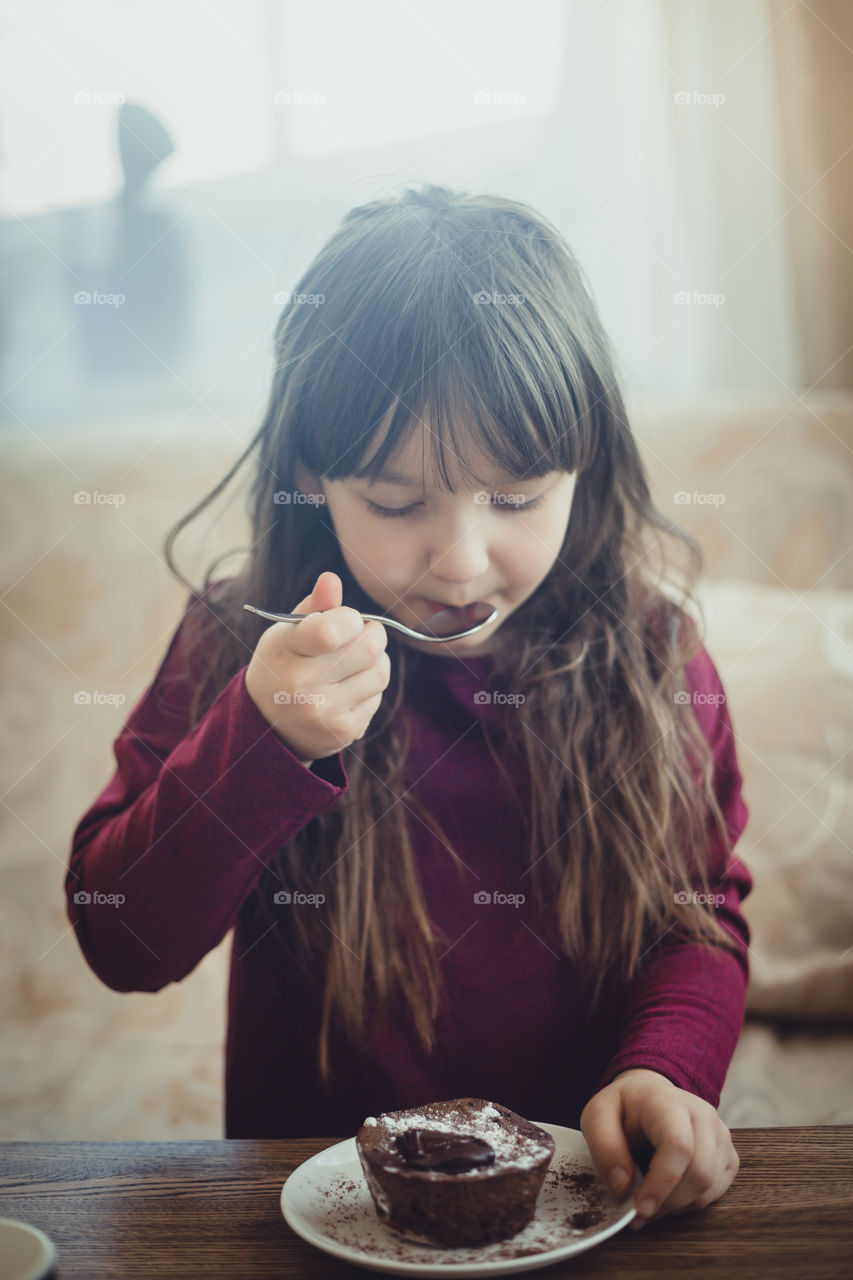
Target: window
239, 84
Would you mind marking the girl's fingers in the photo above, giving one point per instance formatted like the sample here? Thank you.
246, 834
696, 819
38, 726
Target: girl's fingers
721, 1185
728, 1163
359, 656
326, 594
670, 1131
703, 1179
322, 633
366, 684
601, 1125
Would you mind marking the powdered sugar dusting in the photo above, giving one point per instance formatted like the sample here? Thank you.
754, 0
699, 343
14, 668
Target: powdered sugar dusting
512, 1149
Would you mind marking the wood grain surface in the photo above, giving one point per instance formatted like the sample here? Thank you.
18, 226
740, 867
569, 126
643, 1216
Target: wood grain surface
211, 1209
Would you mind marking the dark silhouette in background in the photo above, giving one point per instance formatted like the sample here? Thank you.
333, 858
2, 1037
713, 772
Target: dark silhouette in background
131, 296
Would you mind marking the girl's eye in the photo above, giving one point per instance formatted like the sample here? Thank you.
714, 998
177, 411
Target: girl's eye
404, 511
390, 511
523, 506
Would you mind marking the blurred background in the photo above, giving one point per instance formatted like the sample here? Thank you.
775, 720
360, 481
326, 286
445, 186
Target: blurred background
167, 171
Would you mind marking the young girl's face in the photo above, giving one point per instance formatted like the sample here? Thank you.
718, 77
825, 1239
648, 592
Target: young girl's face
496, 542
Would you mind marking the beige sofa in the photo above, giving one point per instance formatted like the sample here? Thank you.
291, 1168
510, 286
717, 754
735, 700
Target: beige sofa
88, 610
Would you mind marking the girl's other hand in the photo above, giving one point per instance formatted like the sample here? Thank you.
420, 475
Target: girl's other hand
319, 682
694, 1160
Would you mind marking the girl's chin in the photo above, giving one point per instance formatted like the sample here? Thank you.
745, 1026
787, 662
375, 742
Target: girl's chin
450, 649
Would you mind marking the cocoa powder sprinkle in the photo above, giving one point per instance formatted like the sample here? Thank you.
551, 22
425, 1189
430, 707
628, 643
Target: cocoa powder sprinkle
574, 1203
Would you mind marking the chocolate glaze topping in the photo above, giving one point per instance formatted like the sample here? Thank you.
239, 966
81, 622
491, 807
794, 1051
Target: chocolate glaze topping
447, 1152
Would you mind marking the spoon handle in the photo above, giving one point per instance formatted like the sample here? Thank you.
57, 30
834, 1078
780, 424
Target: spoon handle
369, 617
386, 622
297, 617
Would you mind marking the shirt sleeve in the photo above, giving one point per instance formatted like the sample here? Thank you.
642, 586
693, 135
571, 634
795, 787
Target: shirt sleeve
164, 859
685, 1011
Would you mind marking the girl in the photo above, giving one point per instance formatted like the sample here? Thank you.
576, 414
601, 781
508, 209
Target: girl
499, 866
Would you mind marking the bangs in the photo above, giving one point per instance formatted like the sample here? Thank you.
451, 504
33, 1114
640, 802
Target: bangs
411, 343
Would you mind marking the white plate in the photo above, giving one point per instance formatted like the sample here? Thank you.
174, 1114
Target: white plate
25, 1252
327, 1203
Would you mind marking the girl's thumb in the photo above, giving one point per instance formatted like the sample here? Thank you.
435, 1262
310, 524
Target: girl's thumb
328, 593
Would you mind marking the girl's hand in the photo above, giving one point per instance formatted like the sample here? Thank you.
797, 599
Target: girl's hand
694, 1161
319, 682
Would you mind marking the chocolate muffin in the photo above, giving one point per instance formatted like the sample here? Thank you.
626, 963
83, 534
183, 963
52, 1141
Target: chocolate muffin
460, 1173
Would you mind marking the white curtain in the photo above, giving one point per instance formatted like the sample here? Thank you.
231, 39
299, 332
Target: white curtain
671, 183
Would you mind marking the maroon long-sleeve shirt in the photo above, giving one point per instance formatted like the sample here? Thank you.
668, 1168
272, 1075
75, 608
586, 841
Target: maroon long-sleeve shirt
190, 821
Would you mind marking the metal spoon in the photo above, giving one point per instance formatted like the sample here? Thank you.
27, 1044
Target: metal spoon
480, 614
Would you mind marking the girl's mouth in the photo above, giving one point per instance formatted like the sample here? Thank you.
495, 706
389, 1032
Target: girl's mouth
446, 621
457, 617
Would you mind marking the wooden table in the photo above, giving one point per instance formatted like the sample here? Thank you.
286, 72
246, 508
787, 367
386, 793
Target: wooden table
211, 1209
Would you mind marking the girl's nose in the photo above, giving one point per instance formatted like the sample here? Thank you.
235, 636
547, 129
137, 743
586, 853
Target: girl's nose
461, 555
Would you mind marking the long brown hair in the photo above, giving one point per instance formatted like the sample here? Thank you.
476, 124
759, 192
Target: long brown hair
452, 307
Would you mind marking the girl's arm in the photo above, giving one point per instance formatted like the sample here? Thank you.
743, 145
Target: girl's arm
682, 1022
684, 1015
164, 859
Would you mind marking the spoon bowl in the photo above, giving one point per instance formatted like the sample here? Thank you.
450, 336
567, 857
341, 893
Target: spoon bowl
443, 625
